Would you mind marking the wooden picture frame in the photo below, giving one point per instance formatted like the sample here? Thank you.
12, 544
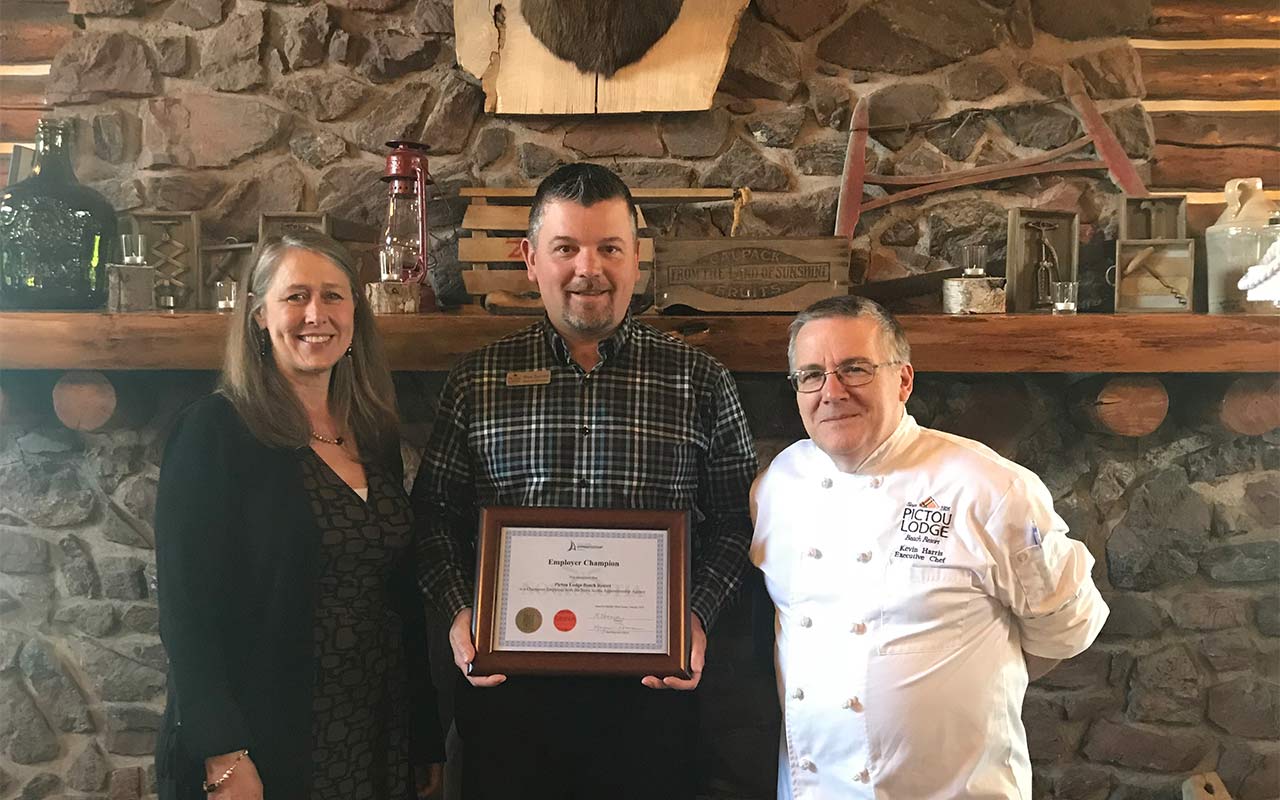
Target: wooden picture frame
1023, 255
1154, 276
542, 636
173, 248
1153, 217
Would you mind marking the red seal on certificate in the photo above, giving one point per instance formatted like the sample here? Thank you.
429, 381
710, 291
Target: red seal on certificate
565, 620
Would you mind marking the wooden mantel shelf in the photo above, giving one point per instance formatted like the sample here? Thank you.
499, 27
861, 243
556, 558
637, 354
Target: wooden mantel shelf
1153, 343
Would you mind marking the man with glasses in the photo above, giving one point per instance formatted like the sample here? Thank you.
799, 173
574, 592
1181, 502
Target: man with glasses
920, 581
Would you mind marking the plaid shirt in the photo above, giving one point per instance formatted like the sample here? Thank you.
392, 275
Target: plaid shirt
656, 424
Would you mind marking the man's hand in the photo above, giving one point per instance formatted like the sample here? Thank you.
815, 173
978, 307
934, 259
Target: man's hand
464, 651
697, 655
242, 784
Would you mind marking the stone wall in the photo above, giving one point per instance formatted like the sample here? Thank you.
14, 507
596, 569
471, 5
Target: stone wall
1184, 525
235, 107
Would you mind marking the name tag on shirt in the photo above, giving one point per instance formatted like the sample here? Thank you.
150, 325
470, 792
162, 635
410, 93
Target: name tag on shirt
529, 377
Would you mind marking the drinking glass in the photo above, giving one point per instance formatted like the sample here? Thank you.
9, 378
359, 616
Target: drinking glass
1064, 296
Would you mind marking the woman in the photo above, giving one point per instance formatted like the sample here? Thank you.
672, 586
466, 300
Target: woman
296, 636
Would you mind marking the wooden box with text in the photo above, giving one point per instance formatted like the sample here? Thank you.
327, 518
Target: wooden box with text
744, 275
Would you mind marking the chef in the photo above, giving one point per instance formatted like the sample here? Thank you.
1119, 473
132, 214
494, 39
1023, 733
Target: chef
920, 581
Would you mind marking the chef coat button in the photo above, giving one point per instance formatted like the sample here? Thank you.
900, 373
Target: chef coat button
808, 766
859, 628
826, 483
805, 622
797, 694
864, 557
875, 482
814, 553
853, 704
862, 777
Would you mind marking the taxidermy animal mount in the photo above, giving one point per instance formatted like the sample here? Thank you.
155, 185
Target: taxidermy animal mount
600, 35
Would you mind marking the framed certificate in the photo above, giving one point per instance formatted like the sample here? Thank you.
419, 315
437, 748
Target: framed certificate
572, 591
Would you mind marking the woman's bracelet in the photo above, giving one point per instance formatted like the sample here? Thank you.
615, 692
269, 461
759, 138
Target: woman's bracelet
210, 788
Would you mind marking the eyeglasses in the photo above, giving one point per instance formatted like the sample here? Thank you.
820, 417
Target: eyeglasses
851, 375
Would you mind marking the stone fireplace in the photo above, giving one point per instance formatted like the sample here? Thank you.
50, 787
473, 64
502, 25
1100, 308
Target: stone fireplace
236, 108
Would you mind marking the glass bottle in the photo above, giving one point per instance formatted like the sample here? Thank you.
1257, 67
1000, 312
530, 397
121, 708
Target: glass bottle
401, 244
56, 235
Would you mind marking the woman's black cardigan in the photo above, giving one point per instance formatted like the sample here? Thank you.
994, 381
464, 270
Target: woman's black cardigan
236, 556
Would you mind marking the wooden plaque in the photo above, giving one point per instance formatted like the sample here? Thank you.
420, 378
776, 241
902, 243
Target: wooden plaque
574, 591
736, 275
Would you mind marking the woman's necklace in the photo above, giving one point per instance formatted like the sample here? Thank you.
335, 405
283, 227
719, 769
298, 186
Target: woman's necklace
338, 440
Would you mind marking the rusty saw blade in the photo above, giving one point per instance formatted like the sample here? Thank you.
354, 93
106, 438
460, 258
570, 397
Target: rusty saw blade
1104, 140
849, 205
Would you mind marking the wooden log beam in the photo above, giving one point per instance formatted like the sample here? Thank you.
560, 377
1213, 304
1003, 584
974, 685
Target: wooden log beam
33, 31
1206, 19
1251, 405
1211, 74
1218, 128
88, 400
1129, 343
1180, 167
1248, 405
1132, 405
19, 124
23, 91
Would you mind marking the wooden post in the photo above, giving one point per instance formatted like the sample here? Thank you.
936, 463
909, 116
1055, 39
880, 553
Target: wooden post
1122, 406
1248, 405
87, 400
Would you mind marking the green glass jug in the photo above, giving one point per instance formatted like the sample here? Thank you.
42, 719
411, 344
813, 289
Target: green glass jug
56, 234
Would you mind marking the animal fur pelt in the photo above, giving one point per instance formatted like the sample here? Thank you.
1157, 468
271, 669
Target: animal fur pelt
600, 35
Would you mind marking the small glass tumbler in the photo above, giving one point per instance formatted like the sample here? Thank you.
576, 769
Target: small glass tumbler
225, 293
974, 260
133, 248
1064, 296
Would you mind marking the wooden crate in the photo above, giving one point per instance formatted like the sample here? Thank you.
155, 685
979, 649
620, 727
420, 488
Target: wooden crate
729, 274
496, 220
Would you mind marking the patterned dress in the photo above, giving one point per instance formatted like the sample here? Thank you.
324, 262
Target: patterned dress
360, 737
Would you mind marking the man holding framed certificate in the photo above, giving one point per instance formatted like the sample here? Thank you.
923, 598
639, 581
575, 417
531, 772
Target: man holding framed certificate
597, 472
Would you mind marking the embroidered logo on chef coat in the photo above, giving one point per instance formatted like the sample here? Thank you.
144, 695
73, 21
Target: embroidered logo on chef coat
924, 526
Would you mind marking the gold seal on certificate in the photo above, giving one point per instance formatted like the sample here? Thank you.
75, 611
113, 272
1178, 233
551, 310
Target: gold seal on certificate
572, 591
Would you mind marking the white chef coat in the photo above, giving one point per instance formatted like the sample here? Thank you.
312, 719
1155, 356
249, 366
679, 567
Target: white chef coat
906, 593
